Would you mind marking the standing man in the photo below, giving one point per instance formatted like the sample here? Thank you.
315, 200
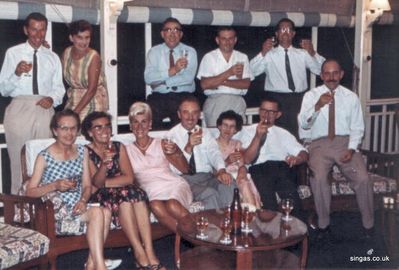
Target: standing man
170, 70
333, 115
208, 179
225, 77
273, 153
32, 76
285, 68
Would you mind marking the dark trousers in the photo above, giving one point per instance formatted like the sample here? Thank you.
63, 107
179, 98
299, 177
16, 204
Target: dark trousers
165, 105
290, 107
275, 176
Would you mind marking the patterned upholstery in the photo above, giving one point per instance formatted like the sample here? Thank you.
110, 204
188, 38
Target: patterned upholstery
19, 245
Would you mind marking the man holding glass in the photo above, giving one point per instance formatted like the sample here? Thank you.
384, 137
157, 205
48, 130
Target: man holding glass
32, 75
170, 71
225, 77
285, 68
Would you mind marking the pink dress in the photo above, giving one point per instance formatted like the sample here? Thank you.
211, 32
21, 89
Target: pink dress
154, 175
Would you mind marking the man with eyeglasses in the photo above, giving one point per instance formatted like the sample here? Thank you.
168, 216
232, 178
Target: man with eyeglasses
32, 75
286, 71
170, 70
225, 77
274, 154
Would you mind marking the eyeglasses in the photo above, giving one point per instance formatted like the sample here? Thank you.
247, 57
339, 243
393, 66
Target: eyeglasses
101, 128
172, 30
285, 30
66, 128
267, 111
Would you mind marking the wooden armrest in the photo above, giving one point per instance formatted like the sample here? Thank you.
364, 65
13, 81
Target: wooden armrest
382, 163
303, 174
35, 207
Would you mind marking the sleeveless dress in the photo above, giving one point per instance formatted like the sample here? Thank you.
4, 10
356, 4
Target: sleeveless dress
113, 197
76, 74
154, 175
66, 222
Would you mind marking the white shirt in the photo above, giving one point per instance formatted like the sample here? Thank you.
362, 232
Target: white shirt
214, 63
348, 115
278, 145
49, 77
273, 64
207, 154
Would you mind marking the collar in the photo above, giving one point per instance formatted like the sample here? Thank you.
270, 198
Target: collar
30, 48
175, 49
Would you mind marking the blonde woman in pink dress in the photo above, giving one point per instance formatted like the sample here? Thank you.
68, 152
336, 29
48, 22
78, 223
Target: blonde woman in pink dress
169, 194
229, 123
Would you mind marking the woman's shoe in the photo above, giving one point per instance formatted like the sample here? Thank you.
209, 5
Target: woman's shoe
112, 264
143, 267
158, 266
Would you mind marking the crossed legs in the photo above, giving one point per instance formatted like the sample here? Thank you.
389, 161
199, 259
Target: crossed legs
169, 212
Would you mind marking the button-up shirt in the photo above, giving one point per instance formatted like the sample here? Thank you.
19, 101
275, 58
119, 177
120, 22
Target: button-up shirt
214, 63
273, 64
207, 154
157, 66
348, 115
278, 145
49, 75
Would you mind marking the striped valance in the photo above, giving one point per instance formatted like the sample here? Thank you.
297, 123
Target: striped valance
132, 14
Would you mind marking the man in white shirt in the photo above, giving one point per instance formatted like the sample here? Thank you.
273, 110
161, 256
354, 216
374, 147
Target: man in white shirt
225, 77
285, 68
333, 115
273, 153
32, 75
170, 71
208, 179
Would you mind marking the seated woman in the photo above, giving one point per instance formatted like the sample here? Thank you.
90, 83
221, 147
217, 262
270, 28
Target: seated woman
229, 123
169, 194
113, 181
63, 168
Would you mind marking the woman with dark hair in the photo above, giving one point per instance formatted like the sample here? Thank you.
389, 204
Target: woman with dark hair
82, 71
61, 174
115, 188
229, 123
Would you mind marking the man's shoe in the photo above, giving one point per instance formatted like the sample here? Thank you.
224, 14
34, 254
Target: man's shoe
323, 234
112, 264
368, 233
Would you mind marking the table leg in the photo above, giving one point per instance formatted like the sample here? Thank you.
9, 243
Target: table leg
177, 250
244, 260
304, 253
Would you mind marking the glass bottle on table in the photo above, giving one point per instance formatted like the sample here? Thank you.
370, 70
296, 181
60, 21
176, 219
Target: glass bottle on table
235, 212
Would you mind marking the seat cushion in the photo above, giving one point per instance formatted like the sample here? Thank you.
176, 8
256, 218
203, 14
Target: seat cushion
19, 245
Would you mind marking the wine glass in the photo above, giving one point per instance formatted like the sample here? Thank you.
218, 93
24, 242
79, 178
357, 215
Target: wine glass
202, 225
287, 205
226, 230
184, 53
247, 217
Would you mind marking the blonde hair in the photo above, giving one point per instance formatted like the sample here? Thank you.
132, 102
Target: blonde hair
140, 108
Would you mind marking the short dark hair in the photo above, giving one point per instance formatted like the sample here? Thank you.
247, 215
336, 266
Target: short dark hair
60, 114
35, 16
80, 26
329, 60
171, 20
272, 100
230, 115
87, 122
225, 28
189, 99
285, 20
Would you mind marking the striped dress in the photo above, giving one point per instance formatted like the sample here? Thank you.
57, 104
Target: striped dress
76, 74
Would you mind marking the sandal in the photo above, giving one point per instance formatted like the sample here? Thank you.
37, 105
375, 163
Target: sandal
143, 267
158, 266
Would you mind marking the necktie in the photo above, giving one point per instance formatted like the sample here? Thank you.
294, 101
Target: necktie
291, 84
191, 162
331, 119
35, 88
171, 59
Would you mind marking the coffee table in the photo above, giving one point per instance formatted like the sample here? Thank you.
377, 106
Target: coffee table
390, 223
259, 248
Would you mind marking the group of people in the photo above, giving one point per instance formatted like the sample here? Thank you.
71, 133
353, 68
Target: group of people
189, 164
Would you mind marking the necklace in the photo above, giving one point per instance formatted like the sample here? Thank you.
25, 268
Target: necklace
143, 148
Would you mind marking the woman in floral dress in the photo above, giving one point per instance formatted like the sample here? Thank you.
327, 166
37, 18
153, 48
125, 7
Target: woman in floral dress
114, 188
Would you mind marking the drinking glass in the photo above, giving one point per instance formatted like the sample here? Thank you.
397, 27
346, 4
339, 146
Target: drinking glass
202, 225
169, 144
74, 179
226, 230
247, 217
30, 65
287, 205
184, 53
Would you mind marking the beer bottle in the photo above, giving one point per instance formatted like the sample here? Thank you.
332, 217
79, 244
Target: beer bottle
235, 212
